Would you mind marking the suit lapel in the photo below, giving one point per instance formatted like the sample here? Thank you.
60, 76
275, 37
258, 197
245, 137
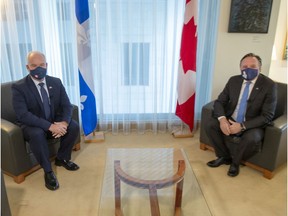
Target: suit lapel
257, 88
35, 92
51, 94
236, 89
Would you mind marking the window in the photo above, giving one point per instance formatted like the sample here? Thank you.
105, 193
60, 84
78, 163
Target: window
136, 64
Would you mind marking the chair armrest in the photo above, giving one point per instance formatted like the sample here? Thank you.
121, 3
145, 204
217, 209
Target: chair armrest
14, 158
206, 115
75, 116
75, 113
281, 122
274, 150
276, 140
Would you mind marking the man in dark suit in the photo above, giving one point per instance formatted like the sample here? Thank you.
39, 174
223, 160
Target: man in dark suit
44, 111
241, 112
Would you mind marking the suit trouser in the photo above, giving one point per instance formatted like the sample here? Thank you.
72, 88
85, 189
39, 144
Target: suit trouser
37, 139
240, 147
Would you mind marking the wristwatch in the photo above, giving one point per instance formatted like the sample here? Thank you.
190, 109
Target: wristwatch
243, 128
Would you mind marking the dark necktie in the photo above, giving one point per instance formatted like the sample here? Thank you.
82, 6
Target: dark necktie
45, 100
243, 103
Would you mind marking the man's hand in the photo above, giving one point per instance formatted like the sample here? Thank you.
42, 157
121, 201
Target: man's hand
235, 127
58, 129
225, 126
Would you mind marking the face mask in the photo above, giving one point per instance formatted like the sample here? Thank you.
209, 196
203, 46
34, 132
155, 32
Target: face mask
38, 73
249, 73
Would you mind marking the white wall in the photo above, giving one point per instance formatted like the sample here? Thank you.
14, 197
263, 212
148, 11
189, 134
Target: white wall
278, 67
231, 47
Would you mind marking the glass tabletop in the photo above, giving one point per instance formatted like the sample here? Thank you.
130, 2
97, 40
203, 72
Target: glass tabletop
150, 165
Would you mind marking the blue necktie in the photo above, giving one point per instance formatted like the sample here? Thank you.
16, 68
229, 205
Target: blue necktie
243, 104
45, 101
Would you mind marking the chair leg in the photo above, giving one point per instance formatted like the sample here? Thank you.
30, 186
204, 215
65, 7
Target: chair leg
203, 146
19, 179
268, 174
76, 147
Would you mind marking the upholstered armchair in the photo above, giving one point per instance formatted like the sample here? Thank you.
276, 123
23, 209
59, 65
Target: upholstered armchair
17, 160
274, 145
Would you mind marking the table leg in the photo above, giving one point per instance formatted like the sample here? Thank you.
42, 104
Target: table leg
117, 183
155, 211
178, 198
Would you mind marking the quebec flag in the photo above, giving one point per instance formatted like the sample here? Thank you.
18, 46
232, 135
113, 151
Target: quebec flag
87, 95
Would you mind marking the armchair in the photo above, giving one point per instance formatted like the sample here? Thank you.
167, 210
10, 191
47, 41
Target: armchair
274, 145
17, 160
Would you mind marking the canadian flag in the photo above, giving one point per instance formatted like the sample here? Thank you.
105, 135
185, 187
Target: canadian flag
187, 65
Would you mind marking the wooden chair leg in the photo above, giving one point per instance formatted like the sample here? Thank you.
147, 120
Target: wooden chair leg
19, 179
203, 146
268, 174
76, 147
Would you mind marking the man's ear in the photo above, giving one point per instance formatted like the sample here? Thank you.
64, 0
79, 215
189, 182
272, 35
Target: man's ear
27, 67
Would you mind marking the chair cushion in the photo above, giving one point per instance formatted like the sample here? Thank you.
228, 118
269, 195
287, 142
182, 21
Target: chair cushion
7, 111
281, 106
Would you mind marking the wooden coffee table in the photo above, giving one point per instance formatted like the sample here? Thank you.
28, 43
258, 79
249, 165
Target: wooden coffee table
150, 181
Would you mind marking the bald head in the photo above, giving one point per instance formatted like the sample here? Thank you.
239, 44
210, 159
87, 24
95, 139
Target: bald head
33, 54
35, 59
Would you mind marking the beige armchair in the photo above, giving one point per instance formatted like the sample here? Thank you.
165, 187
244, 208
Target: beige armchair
274, 146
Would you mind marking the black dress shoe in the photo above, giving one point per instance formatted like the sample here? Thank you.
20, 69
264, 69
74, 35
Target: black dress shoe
219, 161
233, 170
69, 165
51, 181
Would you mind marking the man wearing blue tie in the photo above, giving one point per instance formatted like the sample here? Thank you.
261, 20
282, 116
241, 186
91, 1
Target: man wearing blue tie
241, 112
43, 111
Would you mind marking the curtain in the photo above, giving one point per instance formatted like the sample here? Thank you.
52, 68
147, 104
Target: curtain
136, 53
47, 26
135, 50
207, 40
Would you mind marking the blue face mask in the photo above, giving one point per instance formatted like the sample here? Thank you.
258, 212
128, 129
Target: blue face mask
38, 73
249, 73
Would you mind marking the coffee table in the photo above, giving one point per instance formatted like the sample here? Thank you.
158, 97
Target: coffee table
119, 197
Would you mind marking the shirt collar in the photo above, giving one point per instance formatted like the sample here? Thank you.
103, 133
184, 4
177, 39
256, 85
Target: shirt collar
251, 81
36, 82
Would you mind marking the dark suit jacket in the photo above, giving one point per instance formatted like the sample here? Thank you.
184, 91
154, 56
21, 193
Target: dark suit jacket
29, 107
261, 103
